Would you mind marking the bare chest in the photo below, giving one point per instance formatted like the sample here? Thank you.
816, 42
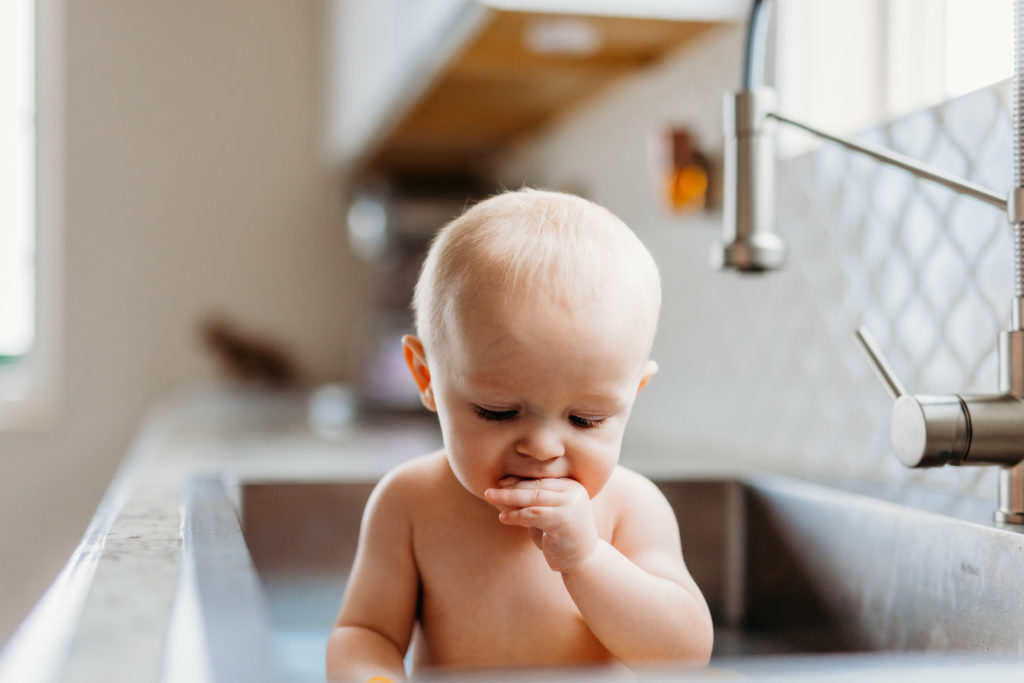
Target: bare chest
489, 599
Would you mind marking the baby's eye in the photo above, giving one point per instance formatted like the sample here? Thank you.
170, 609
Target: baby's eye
496, 415
585, 422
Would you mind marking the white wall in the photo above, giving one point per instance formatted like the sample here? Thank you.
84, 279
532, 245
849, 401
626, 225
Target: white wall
194, 184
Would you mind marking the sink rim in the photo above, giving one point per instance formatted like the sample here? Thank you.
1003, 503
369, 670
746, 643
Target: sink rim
229, 489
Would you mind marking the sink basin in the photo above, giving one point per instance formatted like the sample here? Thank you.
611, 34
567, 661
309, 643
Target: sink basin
787, 566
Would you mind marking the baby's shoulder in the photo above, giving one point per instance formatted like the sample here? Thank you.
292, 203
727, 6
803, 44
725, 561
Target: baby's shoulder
629, 484
429, 465
643, 521
630, 493
409, 482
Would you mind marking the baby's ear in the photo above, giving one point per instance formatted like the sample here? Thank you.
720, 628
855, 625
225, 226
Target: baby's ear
650, 370
416, 359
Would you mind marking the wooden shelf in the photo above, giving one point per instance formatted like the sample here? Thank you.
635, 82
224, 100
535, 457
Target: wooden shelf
494, 90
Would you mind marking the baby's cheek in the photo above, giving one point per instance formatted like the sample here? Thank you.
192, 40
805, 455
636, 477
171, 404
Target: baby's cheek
596, 471
470, 480
592, 483
482, 478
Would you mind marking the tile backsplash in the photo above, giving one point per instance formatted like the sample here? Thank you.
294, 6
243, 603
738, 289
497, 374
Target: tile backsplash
927, 270
763, 369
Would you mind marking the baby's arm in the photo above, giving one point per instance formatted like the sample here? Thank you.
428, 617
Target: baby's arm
637, 596
634, 593
374, 627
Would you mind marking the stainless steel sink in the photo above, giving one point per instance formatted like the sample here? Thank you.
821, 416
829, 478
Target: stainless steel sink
788, 567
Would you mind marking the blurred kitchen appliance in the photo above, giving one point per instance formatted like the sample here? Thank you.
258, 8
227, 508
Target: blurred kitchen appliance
390, 222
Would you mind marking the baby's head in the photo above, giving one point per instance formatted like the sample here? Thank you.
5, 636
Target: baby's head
533, 246
535, 315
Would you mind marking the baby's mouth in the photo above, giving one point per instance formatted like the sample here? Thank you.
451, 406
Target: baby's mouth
514, 479
511, 479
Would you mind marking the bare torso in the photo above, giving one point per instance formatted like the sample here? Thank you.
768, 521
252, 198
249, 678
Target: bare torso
488, 598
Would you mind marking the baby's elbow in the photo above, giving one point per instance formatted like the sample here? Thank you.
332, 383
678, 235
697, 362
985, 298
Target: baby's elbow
688, 646
702, 646
700, 634
694, 651
696, 643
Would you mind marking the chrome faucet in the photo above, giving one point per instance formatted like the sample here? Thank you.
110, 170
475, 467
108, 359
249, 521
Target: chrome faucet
927, 431
985, 429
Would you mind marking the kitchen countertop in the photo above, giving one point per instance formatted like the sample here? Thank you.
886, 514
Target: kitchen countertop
106, 617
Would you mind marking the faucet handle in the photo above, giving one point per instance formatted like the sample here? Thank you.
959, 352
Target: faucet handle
927, 431
883, 370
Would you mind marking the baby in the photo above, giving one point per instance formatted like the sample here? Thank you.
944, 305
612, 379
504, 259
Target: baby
523, 542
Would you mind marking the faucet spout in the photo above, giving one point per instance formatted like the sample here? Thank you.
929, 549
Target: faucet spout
750, 244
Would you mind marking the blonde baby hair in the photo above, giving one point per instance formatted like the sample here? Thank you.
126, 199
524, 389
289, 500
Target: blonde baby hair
529, 242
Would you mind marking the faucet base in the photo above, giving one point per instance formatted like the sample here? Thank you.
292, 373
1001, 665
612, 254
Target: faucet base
1008, 518
1011, 495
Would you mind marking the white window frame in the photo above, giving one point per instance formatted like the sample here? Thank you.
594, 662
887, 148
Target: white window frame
30, 389
847, 65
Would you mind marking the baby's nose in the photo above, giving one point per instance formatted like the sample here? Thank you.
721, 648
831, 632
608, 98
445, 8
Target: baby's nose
541, 443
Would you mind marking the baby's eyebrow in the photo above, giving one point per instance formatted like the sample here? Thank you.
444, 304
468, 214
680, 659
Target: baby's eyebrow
609, 403
488, 393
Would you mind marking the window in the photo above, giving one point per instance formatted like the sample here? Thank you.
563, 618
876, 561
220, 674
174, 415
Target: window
979, 44
17, 172
846, 65
30, 210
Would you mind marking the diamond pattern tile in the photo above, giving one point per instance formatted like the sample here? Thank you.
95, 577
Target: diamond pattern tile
929, 272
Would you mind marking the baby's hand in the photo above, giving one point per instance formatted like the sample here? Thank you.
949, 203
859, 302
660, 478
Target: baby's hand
556, 511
